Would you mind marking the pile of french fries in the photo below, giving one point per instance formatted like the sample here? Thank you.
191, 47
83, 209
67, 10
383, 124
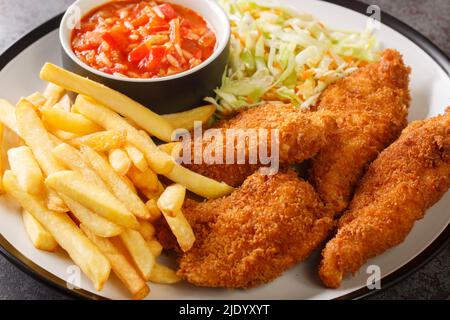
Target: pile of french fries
86, 173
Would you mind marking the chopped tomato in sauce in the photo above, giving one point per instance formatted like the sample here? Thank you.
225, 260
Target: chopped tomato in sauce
143, 39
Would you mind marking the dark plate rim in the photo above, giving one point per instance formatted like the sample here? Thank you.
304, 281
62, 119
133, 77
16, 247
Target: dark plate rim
40, 274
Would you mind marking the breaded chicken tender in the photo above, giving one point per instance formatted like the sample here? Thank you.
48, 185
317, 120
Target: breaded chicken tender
302, 134
370, 107
251, 236
406, 179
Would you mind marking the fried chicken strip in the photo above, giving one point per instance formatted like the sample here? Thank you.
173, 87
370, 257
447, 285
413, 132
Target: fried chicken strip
370, 107
253, 235
301, 135
406, 179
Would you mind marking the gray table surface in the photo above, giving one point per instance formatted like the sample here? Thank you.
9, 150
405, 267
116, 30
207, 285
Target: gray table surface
430, 17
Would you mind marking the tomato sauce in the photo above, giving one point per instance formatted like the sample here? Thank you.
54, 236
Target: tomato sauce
143, 39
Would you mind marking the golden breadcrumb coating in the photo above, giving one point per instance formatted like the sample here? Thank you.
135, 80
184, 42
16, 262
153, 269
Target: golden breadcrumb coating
370, 107
301, 136
406, 179
251, 236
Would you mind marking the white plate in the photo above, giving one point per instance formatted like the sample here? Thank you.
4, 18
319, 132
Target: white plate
19, 70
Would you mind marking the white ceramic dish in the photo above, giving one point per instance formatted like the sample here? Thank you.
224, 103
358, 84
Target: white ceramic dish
19, 70
214, 15
157, 93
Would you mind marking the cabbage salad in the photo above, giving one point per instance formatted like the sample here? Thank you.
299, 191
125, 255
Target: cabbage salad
280, 55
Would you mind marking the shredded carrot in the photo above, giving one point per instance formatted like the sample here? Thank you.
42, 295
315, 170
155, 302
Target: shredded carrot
306, 74
349, 59
333, 65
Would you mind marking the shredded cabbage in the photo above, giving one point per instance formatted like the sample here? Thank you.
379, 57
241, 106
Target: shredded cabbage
280, 55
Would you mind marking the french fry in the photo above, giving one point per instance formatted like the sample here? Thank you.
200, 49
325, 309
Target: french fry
61, 106
137, 157
68, 236
164, 275
36, 137
198, 184
181, 229
150, 121
40, 237
26, 169
102, 141
158, 161
72, 159
139, 252
100, 226
185, 120
129, 183
94, 222
147, 180
69, 121
8, 116
120, 265
172, 199
173, 149
119, 161
54, 202
160, 155
153, 194
133, 124
54, 139
146, 229
153, 208
61, 134
64, 104
159, 191
155, 247
116, 184
53, 94
99, 200
37, 99
201, 185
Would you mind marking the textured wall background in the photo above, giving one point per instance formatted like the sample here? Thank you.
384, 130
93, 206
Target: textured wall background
430, 17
